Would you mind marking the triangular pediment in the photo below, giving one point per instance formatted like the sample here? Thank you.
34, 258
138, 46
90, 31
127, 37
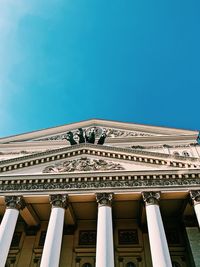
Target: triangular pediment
113, 129
91, 158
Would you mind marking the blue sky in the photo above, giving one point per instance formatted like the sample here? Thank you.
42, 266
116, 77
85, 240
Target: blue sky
63, 61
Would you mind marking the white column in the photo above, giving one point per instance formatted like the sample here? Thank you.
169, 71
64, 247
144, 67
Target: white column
158, 242
104, 246
53, 240
8, 224
195, 196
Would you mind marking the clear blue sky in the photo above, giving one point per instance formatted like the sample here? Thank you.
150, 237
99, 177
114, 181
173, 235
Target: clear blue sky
63, 61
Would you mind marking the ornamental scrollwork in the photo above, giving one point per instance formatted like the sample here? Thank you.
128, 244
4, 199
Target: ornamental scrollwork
104, 199
60, 201
15, 202
151, 198
113, 133
83, 164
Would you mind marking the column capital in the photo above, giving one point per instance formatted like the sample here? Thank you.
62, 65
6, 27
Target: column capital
195, 196
59, 201
15, 202
151, 198
104, 199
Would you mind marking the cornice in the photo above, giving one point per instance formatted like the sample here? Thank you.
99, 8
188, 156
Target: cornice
125, 154
101, 123
106, 181
24, 148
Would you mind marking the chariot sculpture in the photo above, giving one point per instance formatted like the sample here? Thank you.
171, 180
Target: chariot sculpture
85, 136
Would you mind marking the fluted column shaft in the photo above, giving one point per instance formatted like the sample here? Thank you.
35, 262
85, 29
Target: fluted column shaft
8, 224
195, 197
104, 247
53, 240
158, 242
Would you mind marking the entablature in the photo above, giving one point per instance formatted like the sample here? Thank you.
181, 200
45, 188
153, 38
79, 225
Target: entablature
135, 181
123, 154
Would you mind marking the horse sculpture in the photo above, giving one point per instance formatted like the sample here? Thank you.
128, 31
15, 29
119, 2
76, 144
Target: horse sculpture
81, 136
85, 137
70, 138
102, 139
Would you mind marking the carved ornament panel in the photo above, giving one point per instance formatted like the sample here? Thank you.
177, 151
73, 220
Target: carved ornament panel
83, 164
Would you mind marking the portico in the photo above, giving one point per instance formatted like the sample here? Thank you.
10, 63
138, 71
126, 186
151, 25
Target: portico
106, 242
121, 199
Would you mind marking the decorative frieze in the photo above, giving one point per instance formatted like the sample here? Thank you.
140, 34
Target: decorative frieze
117, 181
110, 132
195, 196
118, 133
83, 164
60, 201
151, 198
83, 183
15, 202
104, 199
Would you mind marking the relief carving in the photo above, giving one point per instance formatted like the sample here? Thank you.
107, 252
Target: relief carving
83, 164
88, 134
113, 133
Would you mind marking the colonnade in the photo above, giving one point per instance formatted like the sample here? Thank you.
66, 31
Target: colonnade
104, 246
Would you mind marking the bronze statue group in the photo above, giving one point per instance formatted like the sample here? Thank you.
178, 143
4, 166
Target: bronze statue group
85, 137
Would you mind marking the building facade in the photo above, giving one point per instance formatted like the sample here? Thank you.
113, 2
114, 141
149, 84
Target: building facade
100, 193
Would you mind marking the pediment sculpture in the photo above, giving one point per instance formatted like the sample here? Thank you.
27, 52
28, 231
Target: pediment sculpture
83, 164
86, 135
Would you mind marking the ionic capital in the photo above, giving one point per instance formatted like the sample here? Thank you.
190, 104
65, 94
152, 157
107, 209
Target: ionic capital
59, 201
151, 198
195, 196
15, 202
104, 199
